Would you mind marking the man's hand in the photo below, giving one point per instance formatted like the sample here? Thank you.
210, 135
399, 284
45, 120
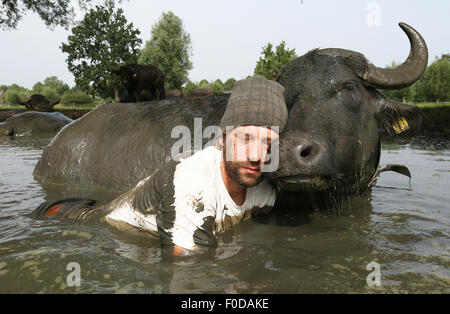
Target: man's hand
179, 251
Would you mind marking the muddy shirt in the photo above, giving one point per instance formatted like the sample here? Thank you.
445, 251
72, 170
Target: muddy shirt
187, 204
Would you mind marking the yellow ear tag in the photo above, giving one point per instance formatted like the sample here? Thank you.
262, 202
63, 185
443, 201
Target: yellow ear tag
400, 126
134, 75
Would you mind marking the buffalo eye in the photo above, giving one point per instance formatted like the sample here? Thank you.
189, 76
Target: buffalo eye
350, 95
349, 86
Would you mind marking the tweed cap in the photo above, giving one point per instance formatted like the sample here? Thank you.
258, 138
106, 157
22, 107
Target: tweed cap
256, 101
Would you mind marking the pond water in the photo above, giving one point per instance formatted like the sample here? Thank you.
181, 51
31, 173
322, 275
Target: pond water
402, 225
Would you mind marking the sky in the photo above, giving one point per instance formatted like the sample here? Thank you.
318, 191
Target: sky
228, 35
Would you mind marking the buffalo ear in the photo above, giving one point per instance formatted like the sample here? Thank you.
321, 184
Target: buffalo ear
396, 117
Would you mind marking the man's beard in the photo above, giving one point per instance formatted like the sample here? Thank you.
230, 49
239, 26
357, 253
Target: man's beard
232, 169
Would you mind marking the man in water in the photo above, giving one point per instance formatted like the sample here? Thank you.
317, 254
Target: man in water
187, 204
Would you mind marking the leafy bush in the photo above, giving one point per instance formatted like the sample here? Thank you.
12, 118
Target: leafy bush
189, 86
217, 87
228, 86
170, 49
203, 84
271, 62
49, 93
16, 93
78, 98
434, 85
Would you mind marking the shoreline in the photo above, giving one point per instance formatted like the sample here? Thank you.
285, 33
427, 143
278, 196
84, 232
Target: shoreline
435, 119
71, 113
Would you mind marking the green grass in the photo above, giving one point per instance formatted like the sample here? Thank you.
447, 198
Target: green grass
12, 107
75, 107
432, 104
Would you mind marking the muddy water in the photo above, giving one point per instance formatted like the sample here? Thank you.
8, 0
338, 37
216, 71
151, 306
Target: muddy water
402, 226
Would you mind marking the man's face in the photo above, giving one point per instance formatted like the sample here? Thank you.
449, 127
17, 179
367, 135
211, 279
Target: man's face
245, 150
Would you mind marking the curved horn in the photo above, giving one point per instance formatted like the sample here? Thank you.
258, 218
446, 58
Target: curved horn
408, 72
53, 103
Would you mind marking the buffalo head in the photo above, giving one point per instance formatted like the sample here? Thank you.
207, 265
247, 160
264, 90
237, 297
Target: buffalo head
127, 74
335, 111
38, 102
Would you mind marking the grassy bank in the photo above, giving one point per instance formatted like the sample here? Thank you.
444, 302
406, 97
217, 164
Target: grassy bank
432, 104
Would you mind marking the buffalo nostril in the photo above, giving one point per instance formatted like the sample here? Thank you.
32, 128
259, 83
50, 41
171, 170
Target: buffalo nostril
306, 151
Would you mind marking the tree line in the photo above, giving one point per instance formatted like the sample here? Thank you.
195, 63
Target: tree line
54, 89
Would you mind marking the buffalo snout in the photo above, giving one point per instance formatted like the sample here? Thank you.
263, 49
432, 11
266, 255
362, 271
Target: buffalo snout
304, 162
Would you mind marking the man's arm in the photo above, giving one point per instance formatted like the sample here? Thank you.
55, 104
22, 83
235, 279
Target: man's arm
184, 215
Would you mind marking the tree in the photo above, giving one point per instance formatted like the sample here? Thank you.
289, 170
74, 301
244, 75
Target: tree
169, 48
37, 88
52, 12
434, 85
189, 86
228, 86
59, 86
217, 87
16, 93
100, 43
204, 84
52, 88
50, 93
271, 62
76, 98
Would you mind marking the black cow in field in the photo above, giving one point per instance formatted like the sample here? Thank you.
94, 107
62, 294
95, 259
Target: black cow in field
141, 82
38, 102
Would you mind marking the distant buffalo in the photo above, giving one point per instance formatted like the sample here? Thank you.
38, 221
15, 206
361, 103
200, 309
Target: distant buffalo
173, 93
141, 82
35, 124
38, 102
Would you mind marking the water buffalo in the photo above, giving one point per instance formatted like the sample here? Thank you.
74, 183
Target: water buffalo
38, 102
142, 83
33, 123
331, 139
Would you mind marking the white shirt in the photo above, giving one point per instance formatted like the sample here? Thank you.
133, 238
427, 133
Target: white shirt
202, 204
